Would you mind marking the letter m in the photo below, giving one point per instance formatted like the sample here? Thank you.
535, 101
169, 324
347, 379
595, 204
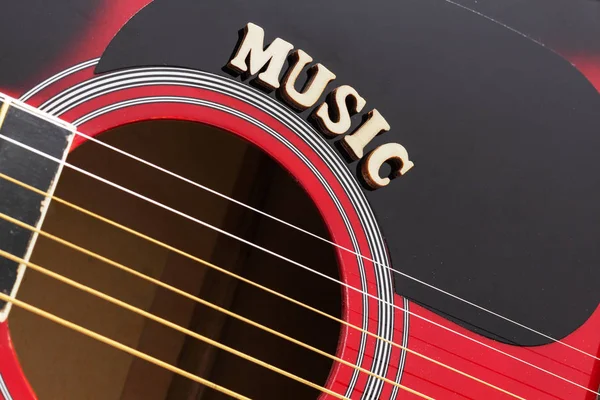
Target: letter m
252, 49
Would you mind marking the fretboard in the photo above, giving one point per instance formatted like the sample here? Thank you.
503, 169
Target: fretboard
28, 127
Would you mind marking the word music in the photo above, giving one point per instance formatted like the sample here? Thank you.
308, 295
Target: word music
252, 56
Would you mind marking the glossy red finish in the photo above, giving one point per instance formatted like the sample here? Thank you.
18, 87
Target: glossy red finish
13, 384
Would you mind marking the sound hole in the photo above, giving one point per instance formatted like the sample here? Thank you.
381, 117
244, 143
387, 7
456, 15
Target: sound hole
60, 363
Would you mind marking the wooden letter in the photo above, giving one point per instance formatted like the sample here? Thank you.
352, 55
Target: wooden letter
355, 143
252, 48
343, 124
313, 89
387, 152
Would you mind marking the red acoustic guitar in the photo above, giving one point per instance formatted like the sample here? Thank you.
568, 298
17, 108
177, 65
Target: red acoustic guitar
293, 200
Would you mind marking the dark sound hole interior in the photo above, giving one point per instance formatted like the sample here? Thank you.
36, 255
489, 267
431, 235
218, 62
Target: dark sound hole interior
62, 364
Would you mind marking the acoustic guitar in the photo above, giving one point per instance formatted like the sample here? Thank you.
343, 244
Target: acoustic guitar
294, 200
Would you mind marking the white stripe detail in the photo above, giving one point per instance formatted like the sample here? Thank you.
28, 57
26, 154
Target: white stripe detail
403, 355
4, 389
57, 77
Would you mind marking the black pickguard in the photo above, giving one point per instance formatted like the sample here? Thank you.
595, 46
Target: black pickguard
501, 207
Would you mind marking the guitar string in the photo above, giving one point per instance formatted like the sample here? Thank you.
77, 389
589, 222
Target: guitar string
181, 329
55, 120
241, 318
210, 265
191, 297
261, 287
200, 222
119, 346
29, 108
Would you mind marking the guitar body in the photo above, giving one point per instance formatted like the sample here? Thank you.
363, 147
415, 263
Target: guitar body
499, 115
